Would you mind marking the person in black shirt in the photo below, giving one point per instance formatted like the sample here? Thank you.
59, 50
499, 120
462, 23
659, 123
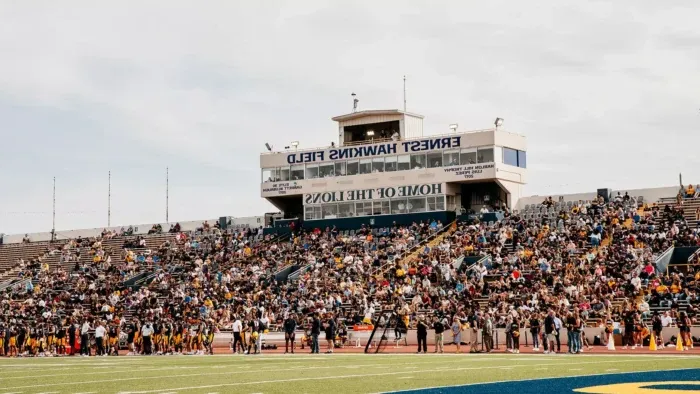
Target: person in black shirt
330, 333
550, 329
629, 330
535, 332
439, 328
515, 333
290, 326
422, 335
570, 324
315, 332
657, 327
256, 328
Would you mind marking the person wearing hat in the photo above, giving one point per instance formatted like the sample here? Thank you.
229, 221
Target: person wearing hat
422, 334
237, 338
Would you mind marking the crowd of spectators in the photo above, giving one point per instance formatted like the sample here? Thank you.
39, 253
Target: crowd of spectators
592, 261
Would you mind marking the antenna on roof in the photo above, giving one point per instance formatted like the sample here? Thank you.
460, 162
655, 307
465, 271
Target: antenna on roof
355, 100
404, 93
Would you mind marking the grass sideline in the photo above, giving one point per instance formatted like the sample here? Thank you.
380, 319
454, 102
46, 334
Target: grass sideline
304, 373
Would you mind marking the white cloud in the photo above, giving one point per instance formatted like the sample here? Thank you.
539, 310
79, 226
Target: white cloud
606, 90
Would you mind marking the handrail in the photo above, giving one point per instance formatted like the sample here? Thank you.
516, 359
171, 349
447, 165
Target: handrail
409, 252
288, 151
694, 255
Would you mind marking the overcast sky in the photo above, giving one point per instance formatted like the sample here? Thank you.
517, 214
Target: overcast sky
607, 94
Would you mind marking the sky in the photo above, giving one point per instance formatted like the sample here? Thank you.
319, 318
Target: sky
607, 93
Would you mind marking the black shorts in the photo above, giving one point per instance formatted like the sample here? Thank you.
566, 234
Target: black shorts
289, 336
130, 339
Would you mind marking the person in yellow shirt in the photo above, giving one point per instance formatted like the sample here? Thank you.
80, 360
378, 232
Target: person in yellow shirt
675, 288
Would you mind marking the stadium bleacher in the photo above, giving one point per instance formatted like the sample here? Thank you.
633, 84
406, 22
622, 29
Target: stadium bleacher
593, 259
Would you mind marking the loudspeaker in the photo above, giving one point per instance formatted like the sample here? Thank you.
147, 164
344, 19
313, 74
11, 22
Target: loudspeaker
605, 193
223, 222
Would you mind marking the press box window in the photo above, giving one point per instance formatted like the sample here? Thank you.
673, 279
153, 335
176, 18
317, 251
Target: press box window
467, 156
346, 210
325, 170
451, 158
404, 162
390, 164
268, 174
510, 157
435, 160
284, 173
297, 172
378, 164
353, 167
311, 171
340, 168
485, 155
522, 159
417, 162
365, 166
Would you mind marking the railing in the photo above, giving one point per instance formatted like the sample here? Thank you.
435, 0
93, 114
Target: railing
369, 142
664, 260
296, 274
694, 256
411, 250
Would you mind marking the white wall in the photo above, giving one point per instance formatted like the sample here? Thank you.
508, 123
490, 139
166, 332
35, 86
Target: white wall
650, 194
250, 221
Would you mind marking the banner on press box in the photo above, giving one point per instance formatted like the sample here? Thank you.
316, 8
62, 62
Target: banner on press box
380, 193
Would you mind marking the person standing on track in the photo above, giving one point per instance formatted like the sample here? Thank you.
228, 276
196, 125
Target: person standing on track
99, 338
457, 333
330, 333
237, 339
487, 334
422, 335
290, 327
439, 328
85, 339
535, 331
550, 331
315, 332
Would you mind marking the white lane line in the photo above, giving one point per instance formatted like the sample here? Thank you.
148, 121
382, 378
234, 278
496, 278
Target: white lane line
611, 370
575, 369
541, 369
335, 377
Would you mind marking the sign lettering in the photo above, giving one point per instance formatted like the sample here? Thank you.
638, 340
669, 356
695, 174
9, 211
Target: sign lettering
390, 148
470, 171
282, 187
371, 194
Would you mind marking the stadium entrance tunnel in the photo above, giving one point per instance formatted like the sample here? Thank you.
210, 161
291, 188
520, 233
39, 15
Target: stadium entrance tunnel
653, 382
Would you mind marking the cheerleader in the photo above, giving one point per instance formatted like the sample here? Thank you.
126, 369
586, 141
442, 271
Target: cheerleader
50, 339
13, 342
684, 324
113, 342
61, 339
2, 341
167, 338
657, 326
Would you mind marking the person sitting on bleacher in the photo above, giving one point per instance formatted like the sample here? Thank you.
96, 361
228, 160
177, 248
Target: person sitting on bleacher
690, 191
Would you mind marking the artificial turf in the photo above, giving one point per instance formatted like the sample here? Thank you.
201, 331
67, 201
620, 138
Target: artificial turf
304, 373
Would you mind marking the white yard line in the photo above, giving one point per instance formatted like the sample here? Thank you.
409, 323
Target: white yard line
342, 377
266, 366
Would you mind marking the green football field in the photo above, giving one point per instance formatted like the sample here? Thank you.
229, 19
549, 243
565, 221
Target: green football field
304, 373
